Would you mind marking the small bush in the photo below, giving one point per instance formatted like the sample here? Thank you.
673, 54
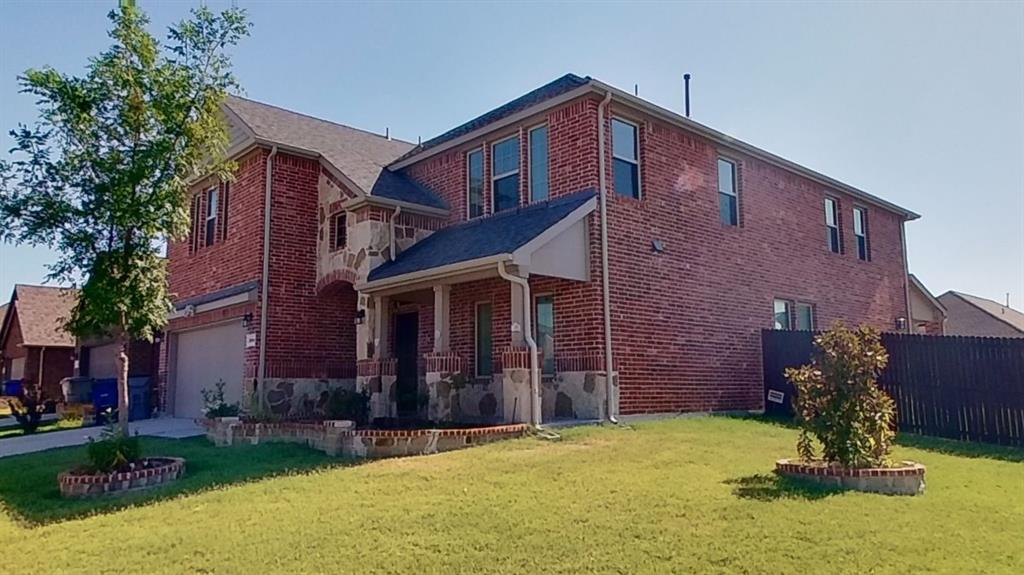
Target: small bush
839, 402
114, 450
351, 405
214, 404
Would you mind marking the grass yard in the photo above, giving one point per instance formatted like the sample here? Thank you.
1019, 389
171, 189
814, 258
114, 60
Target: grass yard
672, 496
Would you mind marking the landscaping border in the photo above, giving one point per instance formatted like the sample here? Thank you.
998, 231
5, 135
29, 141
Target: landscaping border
337, 440
907, 479
77, 484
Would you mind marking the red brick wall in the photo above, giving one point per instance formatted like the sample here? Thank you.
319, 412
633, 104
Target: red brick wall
686, 322
305, 330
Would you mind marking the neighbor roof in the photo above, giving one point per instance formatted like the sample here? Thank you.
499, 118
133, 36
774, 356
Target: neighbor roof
501, 233
360, 155
1005, 314
42, 312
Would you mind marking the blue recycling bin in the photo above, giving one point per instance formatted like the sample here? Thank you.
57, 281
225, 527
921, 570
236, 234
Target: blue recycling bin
104, 397
12, 387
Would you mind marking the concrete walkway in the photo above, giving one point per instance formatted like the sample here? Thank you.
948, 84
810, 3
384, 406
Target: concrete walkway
164, 427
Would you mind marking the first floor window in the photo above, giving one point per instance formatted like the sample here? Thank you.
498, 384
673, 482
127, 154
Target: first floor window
539, 163
728, 204
212, 205
781, 314
626, 158
804, 316
544, 331
475, 161
338, 231
860, 229
832, 226
484, 341
505, 174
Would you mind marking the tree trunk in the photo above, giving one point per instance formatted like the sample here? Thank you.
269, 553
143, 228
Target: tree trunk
122, 380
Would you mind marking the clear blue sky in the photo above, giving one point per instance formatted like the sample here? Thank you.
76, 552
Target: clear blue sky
922, 104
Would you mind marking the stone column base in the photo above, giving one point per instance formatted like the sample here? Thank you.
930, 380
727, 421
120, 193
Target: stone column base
378, 376
515, 384
576, 395
444, 379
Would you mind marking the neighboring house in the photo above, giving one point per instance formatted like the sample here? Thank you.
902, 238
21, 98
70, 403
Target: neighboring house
927, 314
973, 315
399, 269
34, 347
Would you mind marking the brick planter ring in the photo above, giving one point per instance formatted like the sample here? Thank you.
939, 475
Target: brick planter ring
907, 479
77, 484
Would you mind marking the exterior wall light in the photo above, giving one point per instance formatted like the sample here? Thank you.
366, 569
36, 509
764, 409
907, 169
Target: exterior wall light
247, 320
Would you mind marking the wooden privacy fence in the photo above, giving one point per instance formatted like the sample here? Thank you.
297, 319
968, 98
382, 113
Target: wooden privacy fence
968, 388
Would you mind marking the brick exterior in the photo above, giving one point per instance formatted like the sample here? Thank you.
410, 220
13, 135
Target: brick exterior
58, 362
685, 321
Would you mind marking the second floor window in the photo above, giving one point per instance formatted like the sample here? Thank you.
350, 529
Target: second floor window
860, 229
728, 204
505, 174
212, 205
832, 226
338, 231
804, 316
475, 161
539, 163
626, 158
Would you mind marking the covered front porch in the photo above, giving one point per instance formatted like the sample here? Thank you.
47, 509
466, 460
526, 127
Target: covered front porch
494, 321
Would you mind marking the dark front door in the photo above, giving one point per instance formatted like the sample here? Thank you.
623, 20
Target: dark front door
407, 327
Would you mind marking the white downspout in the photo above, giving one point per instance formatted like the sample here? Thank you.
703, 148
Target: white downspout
265, 289
606, 290
535, 407
394, 245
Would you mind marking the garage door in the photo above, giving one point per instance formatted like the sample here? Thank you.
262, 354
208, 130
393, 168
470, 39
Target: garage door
204, 357
103, 361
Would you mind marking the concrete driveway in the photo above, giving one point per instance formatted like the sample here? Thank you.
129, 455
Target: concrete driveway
164, 427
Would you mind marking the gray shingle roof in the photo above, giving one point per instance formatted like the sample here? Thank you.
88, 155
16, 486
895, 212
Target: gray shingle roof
1000, 312
499, 234
547, 91
360, 155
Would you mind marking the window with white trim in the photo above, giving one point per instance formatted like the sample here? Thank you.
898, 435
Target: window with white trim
475, 168
538, 163
804, 316
728, 198
781, 317
212, 205
860, 230
626, 158
505, 174
833, 236
484, 341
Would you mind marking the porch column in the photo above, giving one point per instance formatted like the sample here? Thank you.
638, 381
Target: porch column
376, 375
519, 309
442, 314
382, 327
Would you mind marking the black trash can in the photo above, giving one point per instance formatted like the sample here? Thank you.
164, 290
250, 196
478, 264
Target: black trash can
139, 401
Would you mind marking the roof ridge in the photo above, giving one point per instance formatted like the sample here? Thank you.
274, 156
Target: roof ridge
324, 120
966, 297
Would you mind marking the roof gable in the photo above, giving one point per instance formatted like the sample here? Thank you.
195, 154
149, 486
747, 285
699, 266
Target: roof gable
360, 156
995, 310
41, 312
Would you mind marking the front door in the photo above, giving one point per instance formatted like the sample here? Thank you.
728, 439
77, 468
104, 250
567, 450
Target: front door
407, 327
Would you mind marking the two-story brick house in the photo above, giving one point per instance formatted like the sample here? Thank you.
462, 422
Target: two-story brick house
578, 220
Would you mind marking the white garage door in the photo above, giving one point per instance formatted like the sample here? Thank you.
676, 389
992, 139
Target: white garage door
204, 357
103, 361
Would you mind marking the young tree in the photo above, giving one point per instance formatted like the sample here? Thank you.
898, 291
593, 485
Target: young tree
103, 176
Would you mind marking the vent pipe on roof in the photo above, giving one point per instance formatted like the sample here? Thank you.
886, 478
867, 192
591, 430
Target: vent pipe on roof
636, 89
387, 133
686, 90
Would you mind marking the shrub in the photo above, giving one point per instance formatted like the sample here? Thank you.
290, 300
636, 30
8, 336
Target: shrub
839, 402
214, 404
345, 404
114, 449
27, 408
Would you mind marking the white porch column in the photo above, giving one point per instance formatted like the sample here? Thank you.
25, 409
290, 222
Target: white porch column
382, 326
519, 309
442, 314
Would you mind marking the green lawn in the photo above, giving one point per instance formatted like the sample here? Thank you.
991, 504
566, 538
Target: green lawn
675, 496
